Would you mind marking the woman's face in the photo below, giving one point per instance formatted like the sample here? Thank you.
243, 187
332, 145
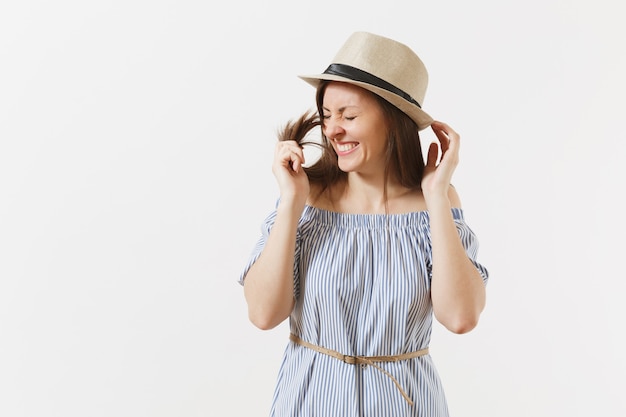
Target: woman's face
355, 125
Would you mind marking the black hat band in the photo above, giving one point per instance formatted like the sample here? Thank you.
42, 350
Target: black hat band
356, 74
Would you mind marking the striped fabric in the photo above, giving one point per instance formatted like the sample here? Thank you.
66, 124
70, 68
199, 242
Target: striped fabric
362, 287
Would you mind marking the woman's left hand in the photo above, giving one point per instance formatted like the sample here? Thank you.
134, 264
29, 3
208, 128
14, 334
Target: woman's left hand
438, 176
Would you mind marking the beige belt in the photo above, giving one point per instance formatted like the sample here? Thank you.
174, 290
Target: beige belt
364, 360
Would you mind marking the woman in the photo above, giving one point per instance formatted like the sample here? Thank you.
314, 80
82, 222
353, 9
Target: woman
366, 245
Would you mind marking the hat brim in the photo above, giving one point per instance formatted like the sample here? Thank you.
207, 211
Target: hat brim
420, 117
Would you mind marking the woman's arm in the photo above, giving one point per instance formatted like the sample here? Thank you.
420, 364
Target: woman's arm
457, 288
268, 285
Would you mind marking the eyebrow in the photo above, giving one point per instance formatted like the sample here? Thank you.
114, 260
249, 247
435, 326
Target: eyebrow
341, 109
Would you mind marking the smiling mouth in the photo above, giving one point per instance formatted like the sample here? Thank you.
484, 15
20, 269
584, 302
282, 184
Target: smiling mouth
346, 147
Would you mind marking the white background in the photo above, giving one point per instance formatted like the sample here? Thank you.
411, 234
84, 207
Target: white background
136, 144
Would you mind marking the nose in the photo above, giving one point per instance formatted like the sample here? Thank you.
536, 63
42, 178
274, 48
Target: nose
333, 128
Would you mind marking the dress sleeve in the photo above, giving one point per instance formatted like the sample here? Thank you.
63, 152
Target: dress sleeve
266, 227
469, 241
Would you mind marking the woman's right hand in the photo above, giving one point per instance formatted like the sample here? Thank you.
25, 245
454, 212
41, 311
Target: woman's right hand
287, 168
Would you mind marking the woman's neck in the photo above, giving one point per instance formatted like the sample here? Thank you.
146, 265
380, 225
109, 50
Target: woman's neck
358, 194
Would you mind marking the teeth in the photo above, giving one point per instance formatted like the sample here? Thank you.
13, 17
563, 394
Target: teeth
344, 147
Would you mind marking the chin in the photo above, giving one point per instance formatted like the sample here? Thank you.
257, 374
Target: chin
346, 168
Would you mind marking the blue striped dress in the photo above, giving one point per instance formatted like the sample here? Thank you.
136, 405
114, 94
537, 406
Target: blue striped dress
362, 287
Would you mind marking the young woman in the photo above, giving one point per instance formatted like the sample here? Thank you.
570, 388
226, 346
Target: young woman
366, 245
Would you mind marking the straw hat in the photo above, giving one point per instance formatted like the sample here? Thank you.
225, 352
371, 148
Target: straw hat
385, 67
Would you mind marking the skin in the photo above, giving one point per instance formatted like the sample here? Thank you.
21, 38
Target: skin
354, 123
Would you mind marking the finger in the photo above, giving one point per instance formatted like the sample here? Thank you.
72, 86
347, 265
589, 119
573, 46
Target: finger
445, 145
433, 151
296, 162
447, 136
441, 133
291, 154
288, 146
294, 159
299, 160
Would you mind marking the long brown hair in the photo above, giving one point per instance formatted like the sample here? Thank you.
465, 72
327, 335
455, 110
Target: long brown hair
405, 161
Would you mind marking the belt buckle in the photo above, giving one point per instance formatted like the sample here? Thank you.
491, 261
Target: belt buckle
350, 360
354, 360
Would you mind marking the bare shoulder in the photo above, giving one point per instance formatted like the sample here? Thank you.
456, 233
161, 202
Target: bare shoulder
453, 196
416, 202
318, 197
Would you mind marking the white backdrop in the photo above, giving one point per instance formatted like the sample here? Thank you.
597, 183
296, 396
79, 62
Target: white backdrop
136, 144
